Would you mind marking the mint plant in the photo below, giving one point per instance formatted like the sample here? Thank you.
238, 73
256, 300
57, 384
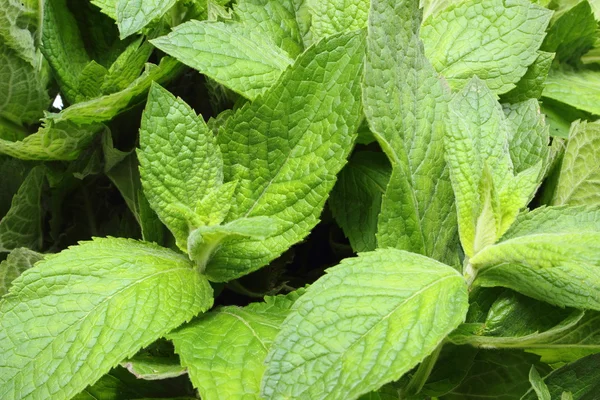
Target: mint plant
299, 199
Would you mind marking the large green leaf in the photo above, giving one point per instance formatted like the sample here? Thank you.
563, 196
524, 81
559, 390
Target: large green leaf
76, 314
133, 15
579, 179
531, 85
18, 260
180, 161
493, 39
557, 261
231, 53
405, 104
224, 350
355, 200
367, 322
579, 89
18, 22
22, 224
286, 148
329, 17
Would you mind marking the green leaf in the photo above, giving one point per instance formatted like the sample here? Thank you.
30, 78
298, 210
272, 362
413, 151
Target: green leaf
90, 80
108, 7
23, 88
156, 362
538, 384
13, 172
106, 107
18, 260
531, 85
275, 19
450, 370
581, 378
329, 17
133, 15
481, 169
127, 67
493, 39
225, 349
63, 47
63, 313
572, 32
579, 179
355, 200
230, 53
579, 89
180, 161
556, 261
367, 322
498, 375
405, 103
53, 141
18, 22
286, 148
22, 224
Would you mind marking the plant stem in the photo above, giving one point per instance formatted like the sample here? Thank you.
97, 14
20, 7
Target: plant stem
420, 377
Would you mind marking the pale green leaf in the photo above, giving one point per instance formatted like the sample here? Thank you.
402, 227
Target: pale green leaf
17, 261
538, 384
153, 367
531, 85
366, 323
579, 89
303, 17
179, 160
22, 224
225, 349
329, 17
557, 261
63, 47
106, 107
581, 379
133, 15
228, 52
19, 21
108, 7
215, 205
572, 31
355, 200
579, 179
275, 19
78, 313
405, 104
286, 148
23, 89
493, 39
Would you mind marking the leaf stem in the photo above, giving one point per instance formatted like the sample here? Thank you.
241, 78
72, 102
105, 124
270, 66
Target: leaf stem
420, 377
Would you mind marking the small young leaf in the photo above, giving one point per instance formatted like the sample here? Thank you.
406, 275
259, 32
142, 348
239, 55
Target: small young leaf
225, 349
230, 53
18, 260
470, 38
366, 323
76, 314
538, 384
127, 67
179, 160
133, 15
286, 148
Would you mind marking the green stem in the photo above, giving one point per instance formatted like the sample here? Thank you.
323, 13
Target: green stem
420, 377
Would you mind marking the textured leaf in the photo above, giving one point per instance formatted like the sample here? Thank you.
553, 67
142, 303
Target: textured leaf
531, 84
581, 378
538, 384
127, 67
275, 19
493, 39
18, 260
180, 161
23, 96
450, 370
405, 104
18, 23
498, 375
579, 89
13, 172
579, 179
224, 350
133, 15
329, 17
355, 200
572, 32
556, 261
155, 365
22, 224
108, 7
230, 53
90, 80
478, 156
75, 315
367, 322
106, 107
286, 148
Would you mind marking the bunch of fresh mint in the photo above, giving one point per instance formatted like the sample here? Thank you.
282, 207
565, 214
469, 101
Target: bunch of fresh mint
299, 199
